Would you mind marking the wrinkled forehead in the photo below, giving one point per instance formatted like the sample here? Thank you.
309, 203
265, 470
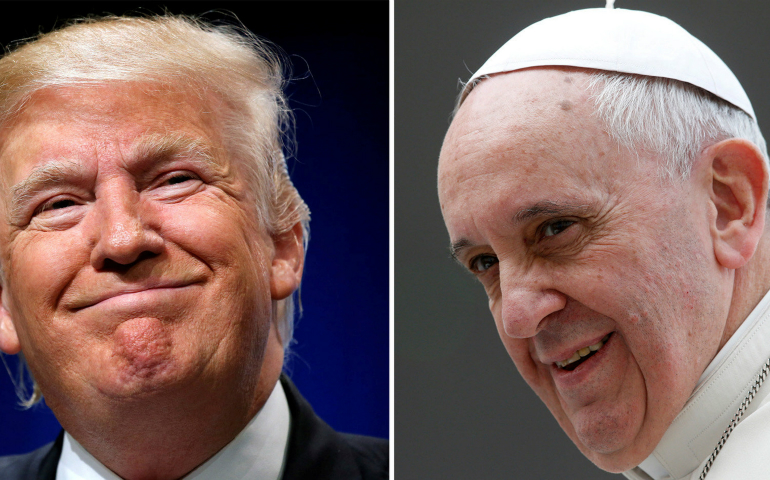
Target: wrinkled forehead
518, 117
75, 121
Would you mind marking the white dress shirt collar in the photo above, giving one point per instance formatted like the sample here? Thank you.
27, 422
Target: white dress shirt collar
257, 452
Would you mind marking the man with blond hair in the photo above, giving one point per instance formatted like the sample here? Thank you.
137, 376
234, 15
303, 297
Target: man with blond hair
605, 180
150, 246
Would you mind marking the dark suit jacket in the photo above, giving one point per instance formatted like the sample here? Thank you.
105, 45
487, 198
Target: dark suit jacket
315, 451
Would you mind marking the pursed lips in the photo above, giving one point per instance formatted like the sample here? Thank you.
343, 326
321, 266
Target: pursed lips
90, 299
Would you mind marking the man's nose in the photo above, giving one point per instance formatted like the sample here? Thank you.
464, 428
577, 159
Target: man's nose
121, 234
527, 299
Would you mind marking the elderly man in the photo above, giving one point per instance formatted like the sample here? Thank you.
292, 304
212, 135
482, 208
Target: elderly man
605, 180
151, 243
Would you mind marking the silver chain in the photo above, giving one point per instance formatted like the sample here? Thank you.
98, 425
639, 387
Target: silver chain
736, 418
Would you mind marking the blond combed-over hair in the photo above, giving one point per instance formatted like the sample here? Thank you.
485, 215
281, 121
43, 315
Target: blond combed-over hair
243, 72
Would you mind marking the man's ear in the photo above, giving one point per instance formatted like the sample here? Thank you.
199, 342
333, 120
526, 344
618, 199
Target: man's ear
9, 339
739, 195
289, 259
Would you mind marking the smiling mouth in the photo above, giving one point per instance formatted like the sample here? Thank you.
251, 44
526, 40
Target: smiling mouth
582, 355
128, 291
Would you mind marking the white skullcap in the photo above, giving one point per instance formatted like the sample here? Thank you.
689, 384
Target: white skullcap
618, 40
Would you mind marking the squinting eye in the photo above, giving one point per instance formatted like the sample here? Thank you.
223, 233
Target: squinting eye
555, 228
56, 205
482, 263
180, 178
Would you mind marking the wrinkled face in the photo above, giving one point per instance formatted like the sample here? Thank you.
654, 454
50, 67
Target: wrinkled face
133, 258
601, 277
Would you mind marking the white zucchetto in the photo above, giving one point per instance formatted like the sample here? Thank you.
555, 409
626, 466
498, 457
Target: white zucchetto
617, 40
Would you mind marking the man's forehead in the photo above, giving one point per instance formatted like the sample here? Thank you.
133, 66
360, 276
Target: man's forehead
139, 110
95, 102
514, 115
520, 85
66, 126
522, 97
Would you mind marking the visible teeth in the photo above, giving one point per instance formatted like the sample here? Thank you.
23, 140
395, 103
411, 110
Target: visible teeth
583, 352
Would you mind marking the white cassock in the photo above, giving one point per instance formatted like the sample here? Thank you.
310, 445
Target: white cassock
689, 441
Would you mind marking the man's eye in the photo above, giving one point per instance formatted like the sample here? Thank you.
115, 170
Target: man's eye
482, 263
180, 178
555, 228
56, 205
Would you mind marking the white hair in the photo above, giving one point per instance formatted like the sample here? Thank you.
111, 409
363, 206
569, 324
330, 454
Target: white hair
669, 118
179, 52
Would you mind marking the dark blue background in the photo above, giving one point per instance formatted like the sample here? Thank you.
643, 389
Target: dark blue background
339, 54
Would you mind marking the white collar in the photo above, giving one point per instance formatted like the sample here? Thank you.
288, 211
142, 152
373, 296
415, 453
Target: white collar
259, 451
695, 432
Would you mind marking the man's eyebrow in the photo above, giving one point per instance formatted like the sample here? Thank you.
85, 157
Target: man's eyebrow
158, 147
548, 208
42, 177
456, 247
539, 209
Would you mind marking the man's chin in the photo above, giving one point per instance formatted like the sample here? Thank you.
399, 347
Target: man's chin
612, 443
127, 384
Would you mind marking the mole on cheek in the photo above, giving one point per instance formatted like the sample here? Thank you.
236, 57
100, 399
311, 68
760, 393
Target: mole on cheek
565, 105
